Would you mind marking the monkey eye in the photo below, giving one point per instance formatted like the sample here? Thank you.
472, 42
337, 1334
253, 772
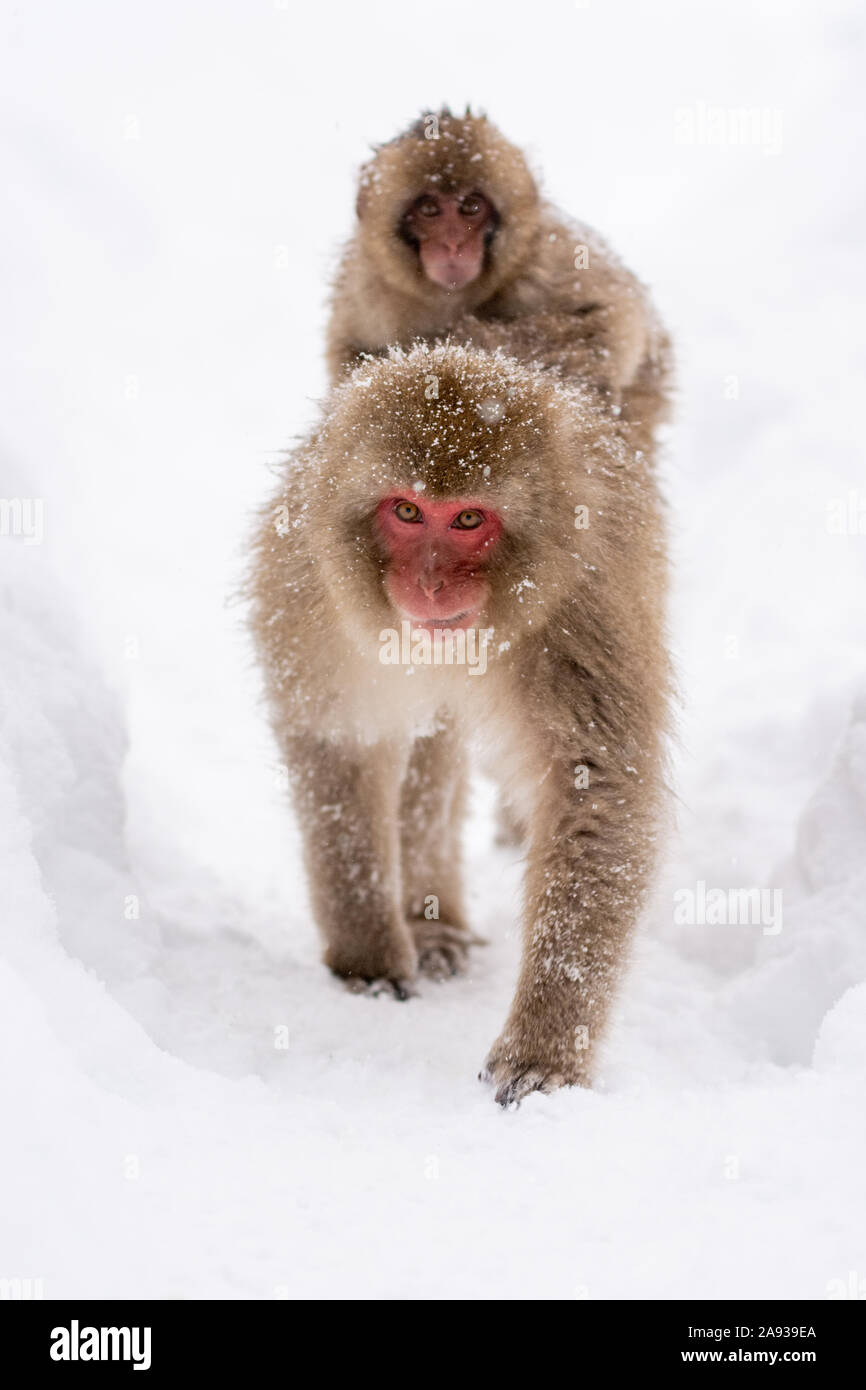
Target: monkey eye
427, 207
468, 520
407, 511
472, 204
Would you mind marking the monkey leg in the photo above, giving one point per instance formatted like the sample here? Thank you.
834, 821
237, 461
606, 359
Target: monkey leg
588, 867
432, 805
347, 800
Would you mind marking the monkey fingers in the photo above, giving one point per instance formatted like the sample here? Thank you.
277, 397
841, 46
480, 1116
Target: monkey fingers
515, 1080
374, 963
393, 989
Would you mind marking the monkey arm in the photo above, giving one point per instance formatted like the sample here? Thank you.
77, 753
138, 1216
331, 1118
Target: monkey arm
585, 886
347, 799
572, 344
576, 310
343, 357
592, 849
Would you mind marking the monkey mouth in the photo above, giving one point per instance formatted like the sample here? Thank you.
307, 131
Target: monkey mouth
453, 275
452, 624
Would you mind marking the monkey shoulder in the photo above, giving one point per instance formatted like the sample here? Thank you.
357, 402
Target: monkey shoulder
572, 274
570, 248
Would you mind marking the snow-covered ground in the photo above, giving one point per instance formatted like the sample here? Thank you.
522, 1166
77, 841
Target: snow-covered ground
191, 1106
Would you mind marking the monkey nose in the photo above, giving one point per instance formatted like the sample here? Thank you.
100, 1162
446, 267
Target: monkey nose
431, 587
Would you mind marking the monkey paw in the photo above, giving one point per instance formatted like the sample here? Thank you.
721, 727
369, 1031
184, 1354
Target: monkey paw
393, 989
443, 950
515, 1078
386, 969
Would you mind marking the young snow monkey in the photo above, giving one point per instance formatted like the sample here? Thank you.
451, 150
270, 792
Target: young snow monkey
449, 491
453, 240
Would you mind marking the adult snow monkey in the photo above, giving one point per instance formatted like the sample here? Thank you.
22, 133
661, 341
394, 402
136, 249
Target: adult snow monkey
453, 240
446, 492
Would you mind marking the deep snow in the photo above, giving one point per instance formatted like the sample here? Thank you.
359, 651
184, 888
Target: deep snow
191, 1106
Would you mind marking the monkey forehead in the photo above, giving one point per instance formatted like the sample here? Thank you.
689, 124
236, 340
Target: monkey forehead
446, 418
452, 154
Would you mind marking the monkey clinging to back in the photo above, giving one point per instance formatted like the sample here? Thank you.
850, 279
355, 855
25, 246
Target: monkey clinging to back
447, 492
454, 241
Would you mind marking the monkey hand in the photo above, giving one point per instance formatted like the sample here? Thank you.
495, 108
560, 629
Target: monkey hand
443, 949
517, 1068
392, 989
375, 967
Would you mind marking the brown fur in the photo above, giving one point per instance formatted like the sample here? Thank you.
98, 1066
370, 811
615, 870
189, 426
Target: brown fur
594, 324
577, 678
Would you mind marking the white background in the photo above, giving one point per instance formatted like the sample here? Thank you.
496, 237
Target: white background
177, 179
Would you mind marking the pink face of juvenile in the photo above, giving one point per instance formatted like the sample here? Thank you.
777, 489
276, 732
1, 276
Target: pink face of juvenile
451, 232
437, 552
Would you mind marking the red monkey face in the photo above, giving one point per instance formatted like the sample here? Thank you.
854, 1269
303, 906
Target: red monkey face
451, 233
436, 555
